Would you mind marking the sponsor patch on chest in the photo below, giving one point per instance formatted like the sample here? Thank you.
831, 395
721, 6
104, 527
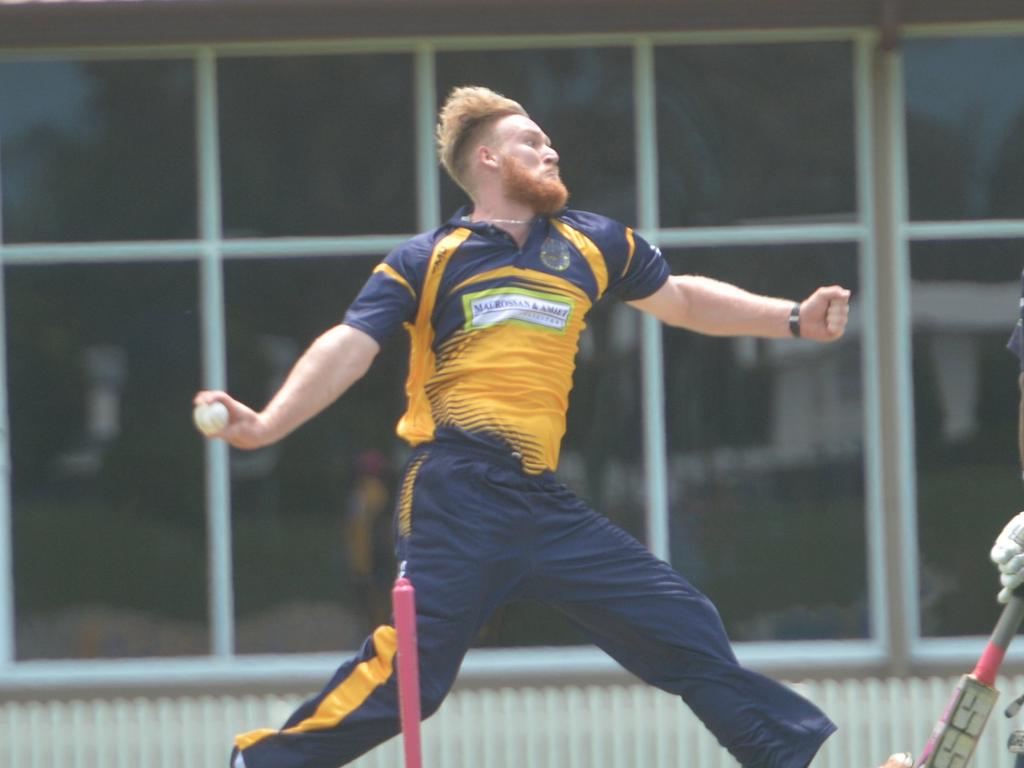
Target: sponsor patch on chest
497, 306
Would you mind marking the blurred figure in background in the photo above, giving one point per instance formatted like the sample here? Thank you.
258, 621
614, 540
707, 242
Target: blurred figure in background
367, 538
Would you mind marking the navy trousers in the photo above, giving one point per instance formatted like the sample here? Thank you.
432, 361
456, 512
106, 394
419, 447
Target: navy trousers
475, 531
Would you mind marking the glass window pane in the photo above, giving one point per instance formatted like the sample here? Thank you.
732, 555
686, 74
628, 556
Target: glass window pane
766, 453
964, 299
317, 145
313, 545
109, 525
97, 150
755, 133
582, 98
965, 127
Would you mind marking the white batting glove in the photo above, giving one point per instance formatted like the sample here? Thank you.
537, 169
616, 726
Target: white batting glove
1008, 554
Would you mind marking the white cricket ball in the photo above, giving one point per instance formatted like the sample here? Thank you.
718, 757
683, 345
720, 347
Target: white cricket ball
210, 418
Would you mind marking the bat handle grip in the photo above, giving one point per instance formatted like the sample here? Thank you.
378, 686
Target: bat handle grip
1006, 628
989, 663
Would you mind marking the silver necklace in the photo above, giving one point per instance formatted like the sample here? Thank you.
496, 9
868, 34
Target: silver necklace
506, 221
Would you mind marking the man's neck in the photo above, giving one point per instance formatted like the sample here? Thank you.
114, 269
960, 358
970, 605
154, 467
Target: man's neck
515, 219
503, 213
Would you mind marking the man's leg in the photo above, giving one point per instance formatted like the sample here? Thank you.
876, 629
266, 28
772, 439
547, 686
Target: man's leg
358, 708
658, 626
353, 713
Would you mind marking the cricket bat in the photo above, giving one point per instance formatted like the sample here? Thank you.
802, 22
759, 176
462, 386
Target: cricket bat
955, 736
403, 598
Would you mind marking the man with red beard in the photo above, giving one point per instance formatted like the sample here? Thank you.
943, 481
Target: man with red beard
494, 301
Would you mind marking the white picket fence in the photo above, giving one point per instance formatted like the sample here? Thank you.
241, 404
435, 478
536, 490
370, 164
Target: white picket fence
551, 727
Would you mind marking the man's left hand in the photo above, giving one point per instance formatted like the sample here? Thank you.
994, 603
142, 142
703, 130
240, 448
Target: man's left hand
1008, 554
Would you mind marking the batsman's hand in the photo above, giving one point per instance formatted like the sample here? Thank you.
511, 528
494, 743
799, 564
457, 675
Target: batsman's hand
1008, 554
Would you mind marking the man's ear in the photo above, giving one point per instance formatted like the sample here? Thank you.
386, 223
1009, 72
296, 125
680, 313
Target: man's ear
487, 156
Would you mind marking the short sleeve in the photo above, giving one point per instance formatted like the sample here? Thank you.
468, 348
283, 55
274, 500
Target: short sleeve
636, 269
391, 294
644, 271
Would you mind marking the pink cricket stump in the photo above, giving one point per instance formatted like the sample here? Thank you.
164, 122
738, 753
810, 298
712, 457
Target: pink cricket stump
403, 599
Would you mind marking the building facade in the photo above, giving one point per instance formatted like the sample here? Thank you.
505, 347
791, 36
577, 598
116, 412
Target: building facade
191, 191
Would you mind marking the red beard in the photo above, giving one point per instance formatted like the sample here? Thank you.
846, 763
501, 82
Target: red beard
545, 195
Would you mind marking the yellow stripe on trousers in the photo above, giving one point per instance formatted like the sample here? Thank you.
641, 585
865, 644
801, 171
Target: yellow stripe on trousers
405, 497
347, 696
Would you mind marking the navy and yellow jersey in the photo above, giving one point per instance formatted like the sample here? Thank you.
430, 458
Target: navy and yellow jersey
495, 328
1016, 343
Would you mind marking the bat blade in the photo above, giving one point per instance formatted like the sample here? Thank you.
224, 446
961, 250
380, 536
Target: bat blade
957, 732
956, 735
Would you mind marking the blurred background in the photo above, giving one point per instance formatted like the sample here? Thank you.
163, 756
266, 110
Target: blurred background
191, 192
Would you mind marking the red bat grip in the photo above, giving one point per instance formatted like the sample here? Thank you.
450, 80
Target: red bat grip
403, 599
992, 658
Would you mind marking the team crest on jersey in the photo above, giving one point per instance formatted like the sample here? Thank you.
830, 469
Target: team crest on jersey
519, 306
555, 254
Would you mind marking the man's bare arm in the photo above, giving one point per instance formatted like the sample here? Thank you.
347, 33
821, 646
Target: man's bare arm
333, 362
716, 308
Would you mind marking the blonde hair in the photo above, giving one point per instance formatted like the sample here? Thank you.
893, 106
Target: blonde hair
466, 114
